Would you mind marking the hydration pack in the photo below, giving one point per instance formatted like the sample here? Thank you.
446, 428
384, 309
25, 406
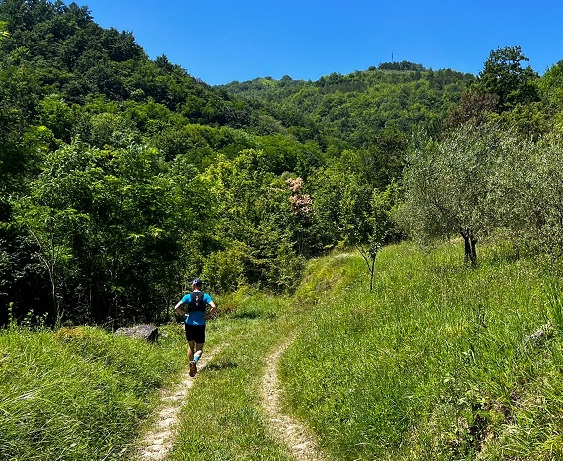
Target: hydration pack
196, 303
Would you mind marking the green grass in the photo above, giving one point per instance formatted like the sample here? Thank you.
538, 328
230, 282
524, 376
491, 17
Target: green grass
433, 364
77, 394
223, 418
440, 361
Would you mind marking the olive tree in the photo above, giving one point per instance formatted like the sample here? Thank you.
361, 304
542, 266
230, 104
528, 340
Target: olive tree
448, 187
528, 192
546, 204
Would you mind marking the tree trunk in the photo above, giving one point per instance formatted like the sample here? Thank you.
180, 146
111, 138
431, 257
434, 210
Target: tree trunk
470, 241
370, 263
371, 270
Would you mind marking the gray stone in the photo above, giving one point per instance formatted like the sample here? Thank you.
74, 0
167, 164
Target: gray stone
147, 332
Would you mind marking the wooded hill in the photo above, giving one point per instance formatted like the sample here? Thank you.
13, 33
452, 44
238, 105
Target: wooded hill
354, 110
123, 177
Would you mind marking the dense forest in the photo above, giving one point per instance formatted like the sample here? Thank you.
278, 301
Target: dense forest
122, 177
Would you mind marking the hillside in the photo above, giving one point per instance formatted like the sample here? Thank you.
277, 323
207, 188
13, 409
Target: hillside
103, 149
353, 110
439, 361
385, 248
122, 177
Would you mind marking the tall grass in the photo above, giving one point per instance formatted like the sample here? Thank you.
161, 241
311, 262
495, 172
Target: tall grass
78, 394
439, 362
433, 364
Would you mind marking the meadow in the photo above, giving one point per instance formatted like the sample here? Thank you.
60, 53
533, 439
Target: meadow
440, 361
80, 393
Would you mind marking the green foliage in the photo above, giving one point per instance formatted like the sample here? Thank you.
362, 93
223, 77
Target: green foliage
504, 76
350, 111
449, 186
550, 86
538, 194
253, 209
487, 179
56, 116
78, 394
3, 32
225, 269
111, 224
122, 177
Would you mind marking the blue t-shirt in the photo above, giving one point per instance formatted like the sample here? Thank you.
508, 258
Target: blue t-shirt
196, 317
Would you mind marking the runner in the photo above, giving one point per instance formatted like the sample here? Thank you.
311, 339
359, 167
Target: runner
194, 307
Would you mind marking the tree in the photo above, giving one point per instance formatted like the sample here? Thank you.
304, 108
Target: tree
50, 231
475, 106
448, 186
56, 115
551, 84
348, 210
368, 230
254, 224
528, 193
3, 30
51, 216
504, 76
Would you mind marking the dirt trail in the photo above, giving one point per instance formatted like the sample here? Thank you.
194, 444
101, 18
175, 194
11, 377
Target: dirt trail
157, 442
285, 428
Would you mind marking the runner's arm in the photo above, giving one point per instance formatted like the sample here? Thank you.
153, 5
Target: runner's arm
212, 312
179, 310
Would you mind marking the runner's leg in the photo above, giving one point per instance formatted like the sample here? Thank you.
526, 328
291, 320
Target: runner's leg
191, 350
198, 351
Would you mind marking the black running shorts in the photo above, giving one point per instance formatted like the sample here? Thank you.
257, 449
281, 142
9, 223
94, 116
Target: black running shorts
195, 333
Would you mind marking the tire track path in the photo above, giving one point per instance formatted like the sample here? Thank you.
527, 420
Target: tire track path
291, 432
158, 441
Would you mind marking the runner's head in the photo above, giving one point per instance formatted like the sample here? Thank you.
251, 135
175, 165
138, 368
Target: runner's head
197, 283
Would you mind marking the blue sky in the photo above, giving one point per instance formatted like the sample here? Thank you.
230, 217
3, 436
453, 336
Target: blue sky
220, 41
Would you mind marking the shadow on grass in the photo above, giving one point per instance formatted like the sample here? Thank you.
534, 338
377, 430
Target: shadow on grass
253, 315
221, 365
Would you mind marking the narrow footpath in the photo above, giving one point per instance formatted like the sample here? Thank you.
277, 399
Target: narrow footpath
158, 441
285, 428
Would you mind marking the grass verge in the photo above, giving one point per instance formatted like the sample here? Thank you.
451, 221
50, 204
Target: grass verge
78, 394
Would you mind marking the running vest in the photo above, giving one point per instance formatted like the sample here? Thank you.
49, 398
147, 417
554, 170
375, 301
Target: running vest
196, 304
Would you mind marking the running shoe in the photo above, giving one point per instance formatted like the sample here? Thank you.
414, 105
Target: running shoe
193, 368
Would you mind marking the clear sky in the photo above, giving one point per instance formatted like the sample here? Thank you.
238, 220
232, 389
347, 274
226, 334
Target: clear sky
220, 41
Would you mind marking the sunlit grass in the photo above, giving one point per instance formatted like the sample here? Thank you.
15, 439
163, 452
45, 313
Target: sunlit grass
440, 361
78, 394
223, 418
429, 364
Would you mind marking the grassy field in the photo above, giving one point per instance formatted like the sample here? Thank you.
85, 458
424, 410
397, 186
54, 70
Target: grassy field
78, 394
440, 361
